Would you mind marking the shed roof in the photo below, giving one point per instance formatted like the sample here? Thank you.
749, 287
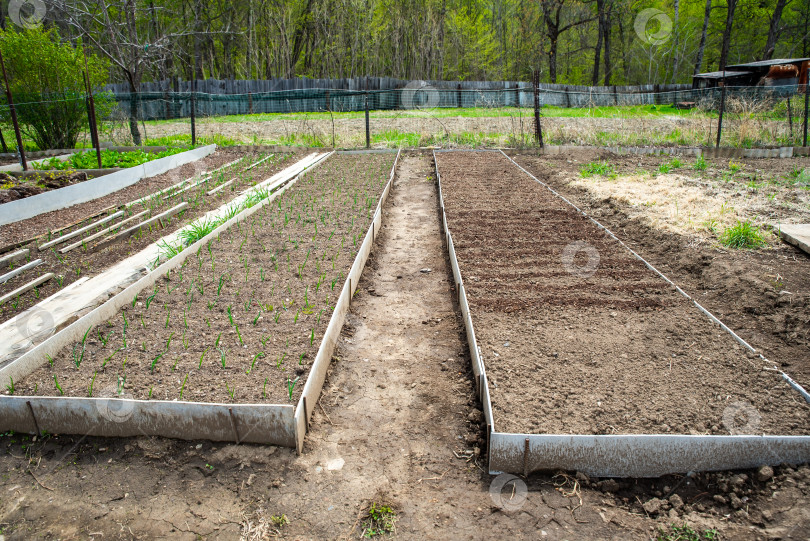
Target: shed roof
721, 74
768, 63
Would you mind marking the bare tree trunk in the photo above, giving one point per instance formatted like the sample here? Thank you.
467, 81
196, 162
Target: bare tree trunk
774, 30
600, 13
133, 110
608, 65
732, 6
702, 47
676, 35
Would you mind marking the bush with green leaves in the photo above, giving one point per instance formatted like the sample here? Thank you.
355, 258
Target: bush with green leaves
46, 76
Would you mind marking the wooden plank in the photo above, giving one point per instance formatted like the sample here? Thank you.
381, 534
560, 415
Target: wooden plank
134, 229
13, 256
187, 188
30, 285
78, 232
77, 222
102, 232
16, 272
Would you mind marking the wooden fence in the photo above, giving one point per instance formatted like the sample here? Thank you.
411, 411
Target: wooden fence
172, 99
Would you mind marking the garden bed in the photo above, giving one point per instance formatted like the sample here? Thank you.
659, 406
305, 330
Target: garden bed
95, 255
240, 321
580, 337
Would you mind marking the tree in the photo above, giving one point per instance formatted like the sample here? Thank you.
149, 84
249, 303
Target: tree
702, 47
773, 30
732, 6
555, 27
46, 77
120, 30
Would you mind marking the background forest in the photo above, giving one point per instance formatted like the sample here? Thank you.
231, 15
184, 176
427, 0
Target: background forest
570, 41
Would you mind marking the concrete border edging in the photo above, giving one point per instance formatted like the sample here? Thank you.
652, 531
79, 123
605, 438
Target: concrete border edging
112, 417
22, 209
625, 455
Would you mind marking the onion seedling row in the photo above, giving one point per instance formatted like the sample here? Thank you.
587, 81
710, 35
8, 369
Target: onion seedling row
84, 261
241, 320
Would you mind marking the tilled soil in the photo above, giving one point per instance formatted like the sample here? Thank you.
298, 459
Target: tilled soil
763, 295
80, 263
241, 321
578, 336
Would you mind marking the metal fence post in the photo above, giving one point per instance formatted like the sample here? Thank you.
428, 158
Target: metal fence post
91, 111
458, 95
13, 112
806, 98
193, 112
722, 108
368, 130
790, 117
538, 131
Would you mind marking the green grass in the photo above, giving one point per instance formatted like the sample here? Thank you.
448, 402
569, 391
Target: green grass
185, 139
628, 111
743, 236
666, 167
597, 169
685, 533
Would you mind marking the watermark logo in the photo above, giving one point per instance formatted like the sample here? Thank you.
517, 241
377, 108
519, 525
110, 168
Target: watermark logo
569, 255
508, 492
115, 406
741, 418
420, 95
653, 26
27, 13
36, 326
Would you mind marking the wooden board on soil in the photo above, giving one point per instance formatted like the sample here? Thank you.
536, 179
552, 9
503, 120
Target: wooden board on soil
241, 320
580, 337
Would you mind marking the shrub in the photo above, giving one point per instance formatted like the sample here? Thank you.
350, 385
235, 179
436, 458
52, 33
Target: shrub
46, 78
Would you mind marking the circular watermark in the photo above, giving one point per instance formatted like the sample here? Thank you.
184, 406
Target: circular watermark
653, 26
569, 255
27, 13
420, 95
36, 326
741, 418
508, 492
114, 405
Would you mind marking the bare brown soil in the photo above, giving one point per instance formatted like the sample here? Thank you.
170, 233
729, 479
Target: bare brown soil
763, 295
87, 261
243, 319
614, 350
398, 410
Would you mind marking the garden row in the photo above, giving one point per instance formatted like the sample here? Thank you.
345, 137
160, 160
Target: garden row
240, 320
65, 255
575, 335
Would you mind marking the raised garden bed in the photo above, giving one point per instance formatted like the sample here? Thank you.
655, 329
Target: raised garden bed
99, 243
244, 311
576, 336
95, 188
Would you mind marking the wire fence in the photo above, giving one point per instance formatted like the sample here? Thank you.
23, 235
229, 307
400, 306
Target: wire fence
423, 115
